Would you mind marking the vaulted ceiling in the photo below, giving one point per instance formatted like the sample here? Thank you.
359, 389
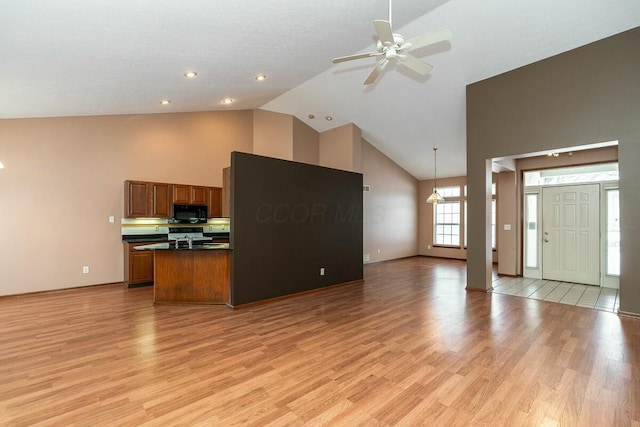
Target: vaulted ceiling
74, 58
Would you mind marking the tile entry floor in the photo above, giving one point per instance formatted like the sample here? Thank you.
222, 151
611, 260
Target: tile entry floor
605, 299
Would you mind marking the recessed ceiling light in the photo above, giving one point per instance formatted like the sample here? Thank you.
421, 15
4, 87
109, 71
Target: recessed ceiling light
311, 116
165, 102
226, 101
260, 77
190, 74
328, 118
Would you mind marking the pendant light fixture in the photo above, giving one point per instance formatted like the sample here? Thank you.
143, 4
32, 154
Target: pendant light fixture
435, 197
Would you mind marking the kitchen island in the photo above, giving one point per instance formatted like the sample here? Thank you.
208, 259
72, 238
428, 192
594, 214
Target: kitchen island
196, 275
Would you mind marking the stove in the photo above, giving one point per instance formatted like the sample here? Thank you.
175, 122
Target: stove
187, 236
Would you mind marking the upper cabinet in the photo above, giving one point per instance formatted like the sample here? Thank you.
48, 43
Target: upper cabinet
146, 199
160, 200
215, 202
136, 199
190, 195
226, 192
153, 199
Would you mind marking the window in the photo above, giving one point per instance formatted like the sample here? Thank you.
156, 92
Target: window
446, 228
449, 191
613, 232
493, 223
572, 175
531, 230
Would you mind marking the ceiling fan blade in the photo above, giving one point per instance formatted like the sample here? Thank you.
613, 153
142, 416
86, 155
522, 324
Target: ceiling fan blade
415, 64
352, 57
430, 38
383, 29
376, 71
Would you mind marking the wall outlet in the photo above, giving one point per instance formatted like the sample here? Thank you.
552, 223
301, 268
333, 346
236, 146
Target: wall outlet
428, 246
112, 219
378, 250
85, 269
365, 257
322, 271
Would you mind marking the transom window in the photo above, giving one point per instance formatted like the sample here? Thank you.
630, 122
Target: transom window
453, 191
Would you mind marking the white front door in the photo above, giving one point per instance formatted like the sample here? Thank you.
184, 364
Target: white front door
571, 233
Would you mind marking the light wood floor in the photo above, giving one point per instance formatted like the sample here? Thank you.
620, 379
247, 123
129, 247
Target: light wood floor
409, 347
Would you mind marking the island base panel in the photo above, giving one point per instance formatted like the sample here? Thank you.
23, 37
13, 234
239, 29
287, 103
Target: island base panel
192, 277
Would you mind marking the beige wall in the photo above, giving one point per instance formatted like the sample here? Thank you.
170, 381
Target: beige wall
507, 215
390, 211
273, 134
425, 214
340, 148
306, 143
561, 102
64, 178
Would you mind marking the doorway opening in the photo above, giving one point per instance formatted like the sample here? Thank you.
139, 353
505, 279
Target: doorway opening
571, 225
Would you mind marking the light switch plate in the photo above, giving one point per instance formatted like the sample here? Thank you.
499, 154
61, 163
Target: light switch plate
507, 227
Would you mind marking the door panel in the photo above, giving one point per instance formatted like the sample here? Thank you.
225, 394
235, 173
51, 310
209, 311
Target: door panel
571, 233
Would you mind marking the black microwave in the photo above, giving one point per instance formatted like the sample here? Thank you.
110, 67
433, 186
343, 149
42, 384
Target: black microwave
188, 214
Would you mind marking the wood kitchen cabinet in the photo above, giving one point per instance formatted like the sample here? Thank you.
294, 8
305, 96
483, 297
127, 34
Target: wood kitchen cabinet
160, 200
144, 199
189, 195
138, 265
136, 195
226, 192
215, 202
147, 199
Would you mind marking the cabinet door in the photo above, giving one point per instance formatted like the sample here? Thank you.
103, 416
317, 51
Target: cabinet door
215, 202
138, 265
160, 200
199, 195
141, 267
226, 192
136, 199
181, 194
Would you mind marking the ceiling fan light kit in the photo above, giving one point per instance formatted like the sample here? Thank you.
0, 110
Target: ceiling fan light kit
394, 47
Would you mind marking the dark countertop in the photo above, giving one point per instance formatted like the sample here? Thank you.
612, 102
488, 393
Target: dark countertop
145, 238
165, 238
172, 247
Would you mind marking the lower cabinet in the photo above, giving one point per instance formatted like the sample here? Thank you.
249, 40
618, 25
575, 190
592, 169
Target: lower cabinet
138, 265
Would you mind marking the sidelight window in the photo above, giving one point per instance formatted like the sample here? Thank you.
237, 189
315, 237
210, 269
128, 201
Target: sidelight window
531, 230
613, 232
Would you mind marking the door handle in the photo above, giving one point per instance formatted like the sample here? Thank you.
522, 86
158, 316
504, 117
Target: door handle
546, 240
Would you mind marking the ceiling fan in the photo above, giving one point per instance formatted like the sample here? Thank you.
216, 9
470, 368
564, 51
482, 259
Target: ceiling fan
392, 46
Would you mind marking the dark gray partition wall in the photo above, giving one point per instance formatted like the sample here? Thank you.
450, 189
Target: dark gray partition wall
289, 220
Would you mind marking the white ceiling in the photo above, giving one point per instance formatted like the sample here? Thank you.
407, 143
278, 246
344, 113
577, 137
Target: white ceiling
94, 57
